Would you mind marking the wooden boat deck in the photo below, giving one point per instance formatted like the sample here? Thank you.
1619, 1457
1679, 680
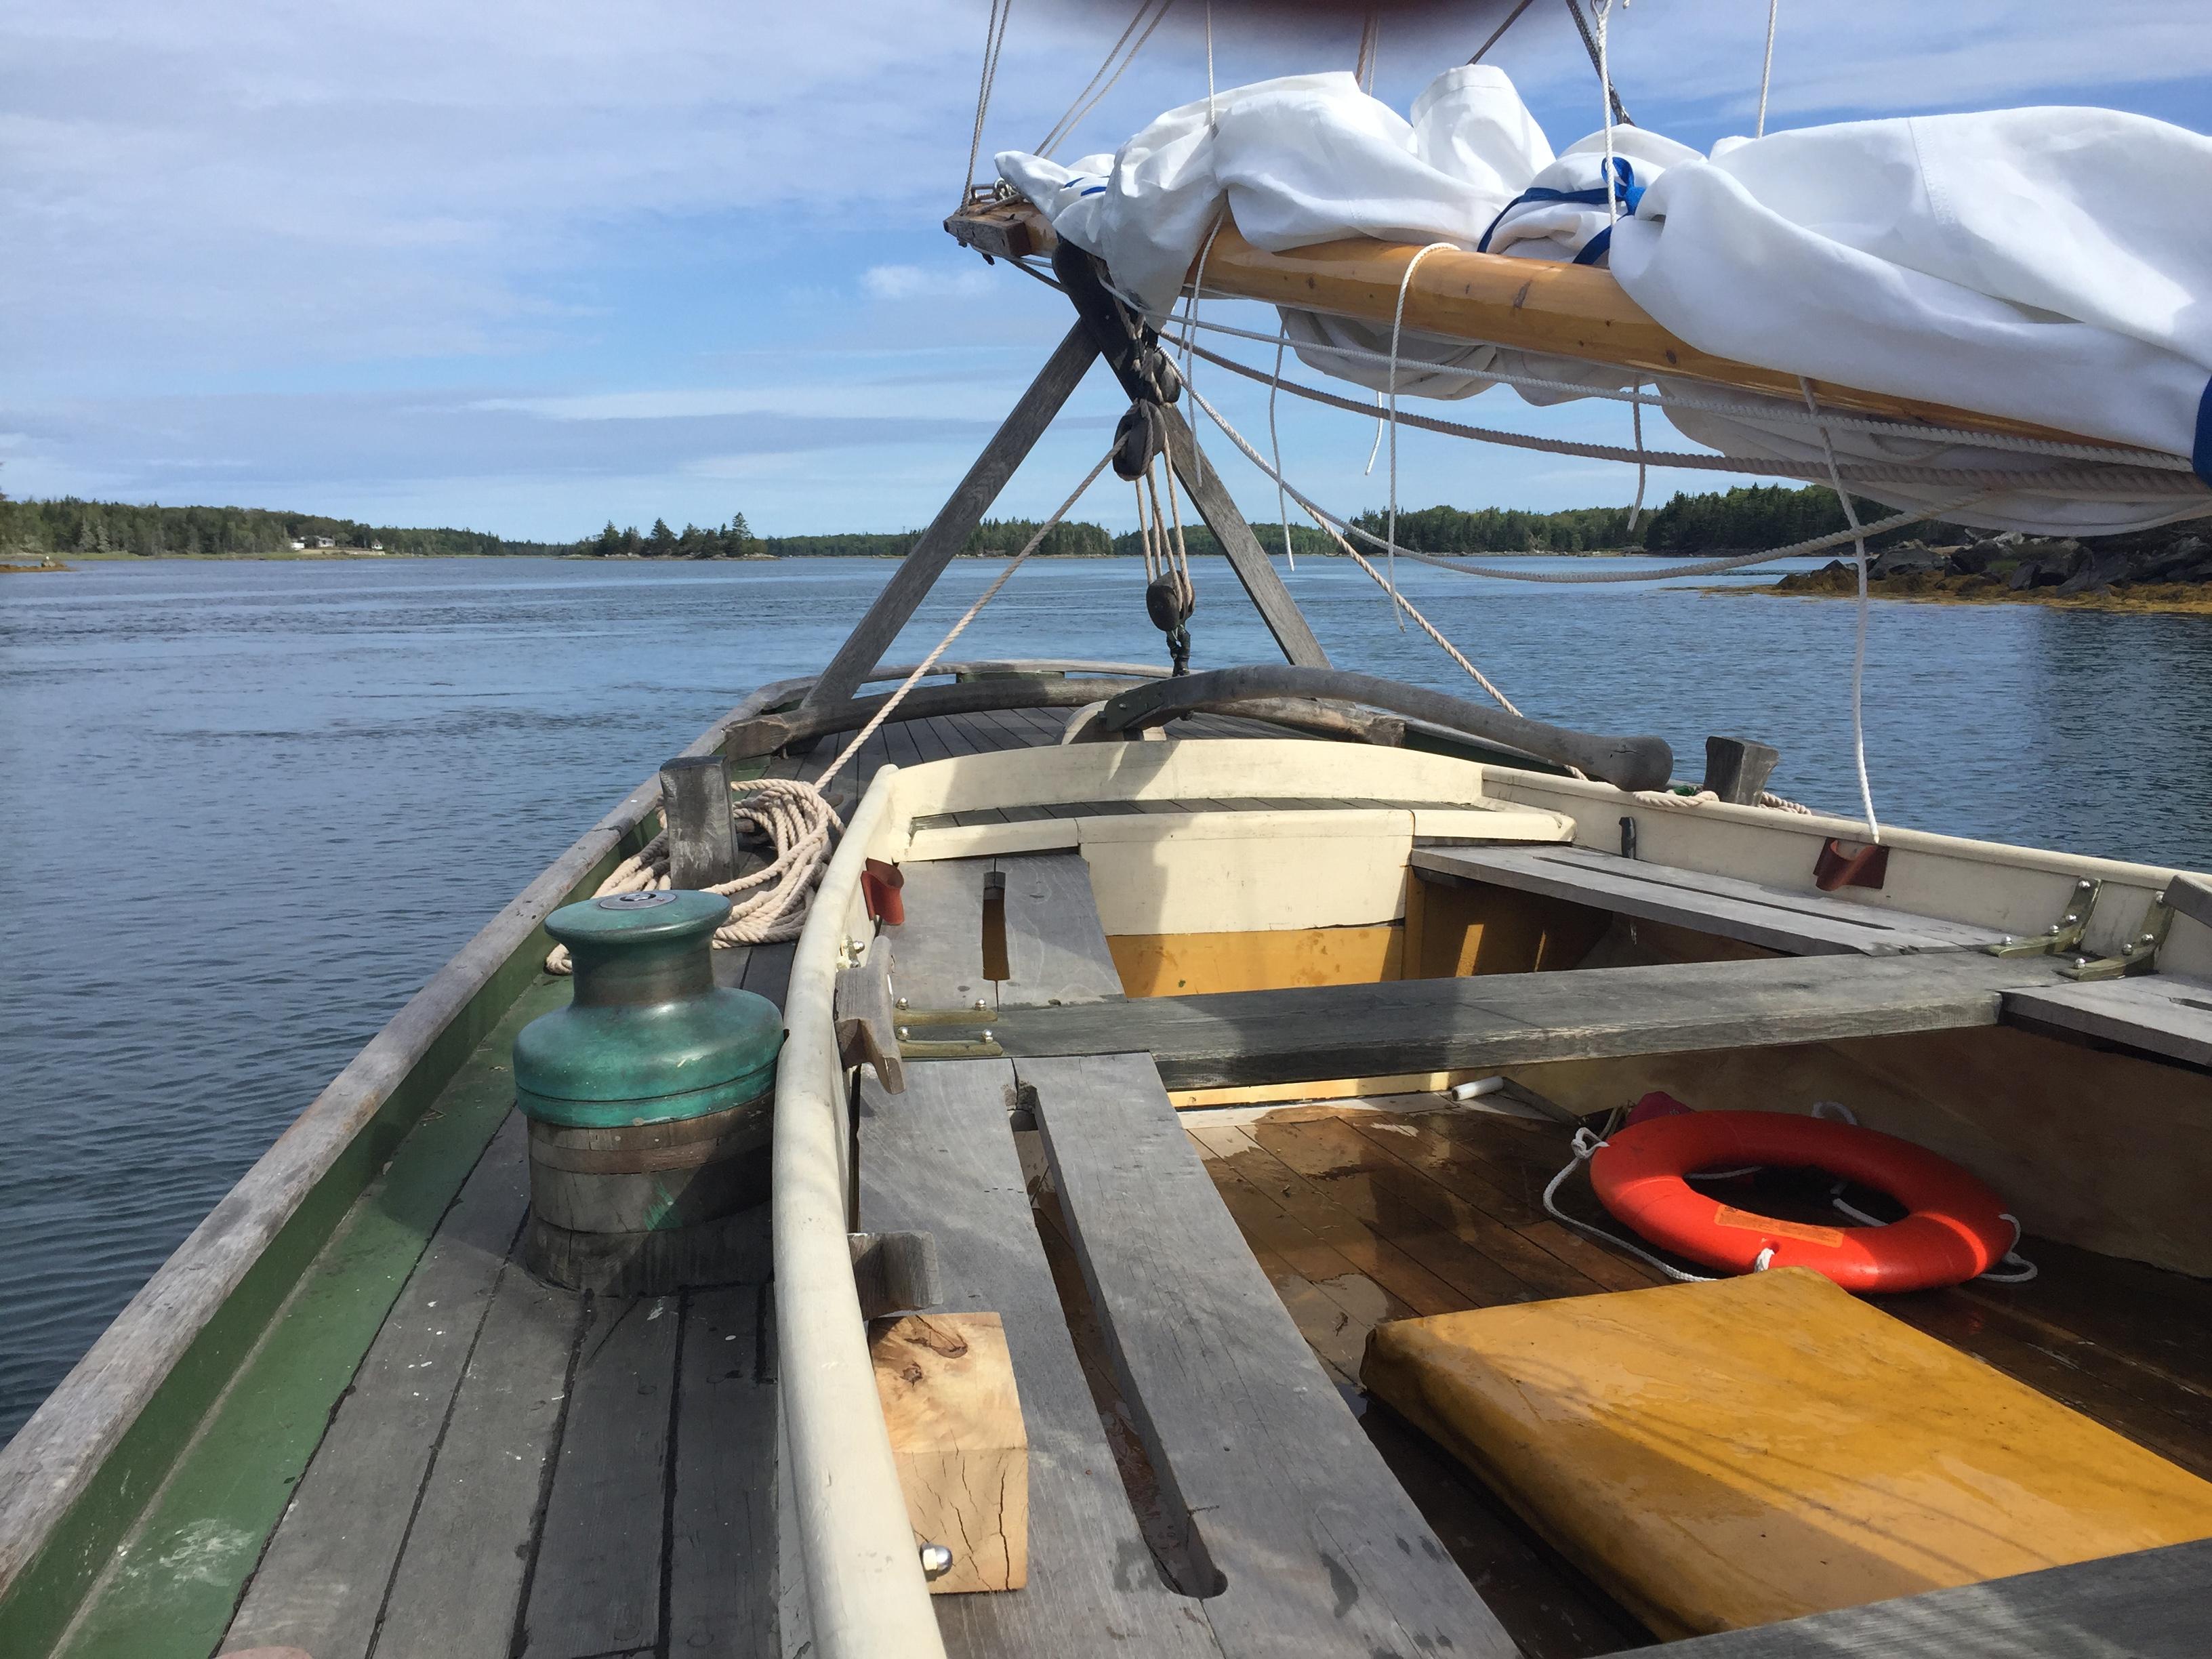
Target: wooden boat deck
516, 1471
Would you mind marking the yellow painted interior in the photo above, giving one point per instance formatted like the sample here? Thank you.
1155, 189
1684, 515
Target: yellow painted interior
1729, 1454
1192, 964
1339, 1088
1452, 931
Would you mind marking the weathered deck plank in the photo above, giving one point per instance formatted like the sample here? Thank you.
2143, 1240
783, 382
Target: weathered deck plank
595, 1588
321, 1583
1056, 950
460, 1581
936, 954
1319, 1549
2150, 1605
2166, 1014
1503, 1020
1802, 924
940, 1158
722, 1560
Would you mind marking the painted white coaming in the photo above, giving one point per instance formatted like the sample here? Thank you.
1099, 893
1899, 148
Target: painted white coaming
1233, 872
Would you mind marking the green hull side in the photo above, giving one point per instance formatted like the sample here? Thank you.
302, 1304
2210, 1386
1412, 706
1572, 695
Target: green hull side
166, 1532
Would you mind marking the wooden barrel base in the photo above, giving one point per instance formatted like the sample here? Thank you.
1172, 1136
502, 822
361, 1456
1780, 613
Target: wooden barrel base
732, 1250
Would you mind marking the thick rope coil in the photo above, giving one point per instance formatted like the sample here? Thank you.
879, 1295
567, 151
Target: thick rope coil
769, 905
795, 814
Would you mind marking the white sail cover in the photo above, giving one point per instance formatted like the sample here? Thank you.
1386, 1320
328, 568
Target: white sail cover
2049, 264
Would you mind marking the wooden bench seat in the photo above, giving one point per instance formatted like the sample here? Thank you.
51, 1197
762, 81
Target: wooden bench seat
1800, 924
2169, 1015
1318, 1550
1237, 1037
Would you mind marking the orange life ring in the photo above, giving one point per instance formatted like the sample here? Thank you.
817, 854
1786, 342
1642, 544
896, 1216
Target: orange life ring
1957, 1228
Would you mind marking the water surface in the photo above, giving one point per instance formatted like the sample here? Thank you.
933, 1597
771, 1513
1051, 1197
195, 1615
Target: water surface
252, 807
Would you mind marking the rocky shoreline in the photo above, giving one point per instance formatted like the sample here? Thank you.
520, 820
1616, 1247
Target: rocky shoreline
2166, 569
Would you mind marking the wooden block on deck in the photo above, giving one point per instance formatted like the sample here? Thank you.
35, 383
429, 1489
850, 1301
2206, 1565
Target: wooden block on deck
947, 1385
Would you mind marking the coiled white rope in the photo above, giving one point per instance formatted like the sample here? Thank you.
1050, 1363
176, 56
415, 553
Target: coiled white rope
795, 813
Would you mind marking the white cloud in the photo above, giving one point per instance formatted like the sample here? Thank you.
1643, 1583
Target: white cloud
926, 282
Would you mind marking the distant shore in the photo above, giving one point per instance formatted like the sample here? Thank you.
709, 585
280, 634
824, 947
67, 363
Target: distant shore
2167, 572
361, 555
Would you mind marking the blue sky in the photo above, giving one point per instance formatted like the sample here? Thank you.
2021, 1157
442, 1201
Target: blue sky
526, 268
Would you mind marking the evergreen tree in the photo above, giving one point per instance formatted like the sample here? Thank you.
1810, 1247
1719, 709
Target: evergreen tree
661, 542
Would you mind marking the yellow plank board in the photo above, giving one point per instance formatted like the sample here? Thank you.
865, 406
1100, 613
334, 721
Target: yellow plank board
1194, 964
1724, 1455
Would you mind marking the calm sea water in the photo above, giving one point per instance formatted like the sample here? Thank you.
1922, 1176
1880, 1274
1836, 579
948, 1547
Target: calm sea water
252, 807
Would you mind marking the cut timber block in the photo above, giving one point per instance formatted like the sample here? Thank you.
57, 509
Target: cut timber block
947, 1385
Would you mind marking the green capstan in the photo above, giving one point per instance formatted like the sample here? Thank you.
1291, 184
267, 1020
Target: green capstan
649, 1037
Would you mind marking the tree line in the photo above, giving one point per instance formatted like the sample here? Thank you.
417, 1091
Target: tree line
1742, 519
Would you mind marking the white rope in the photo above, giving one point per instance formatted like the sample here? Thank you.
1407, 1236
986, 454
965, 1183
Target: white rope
1076, 111
1859, 642
2087, 482
1212, 125
1275, 440
994, 36
1397, 323
1586, 1147
1700, 568
795, 813
1766, 69
1190, 310
1427, 627
2103, 454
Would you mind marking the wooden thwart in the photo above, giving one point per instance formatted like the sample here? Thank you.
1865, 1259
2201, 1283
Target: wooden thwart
1507, 1019
1801, 924
1316, 1548
2164, 1014
2149, 1605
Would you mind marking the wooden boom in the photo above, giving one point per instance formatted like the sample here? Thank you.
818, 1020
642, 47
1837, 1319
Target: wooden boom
1531, 305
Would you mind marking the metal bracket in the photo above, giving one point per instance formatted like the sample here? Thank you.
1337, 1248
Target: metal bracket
967, 1033
2064, 934
2139, 955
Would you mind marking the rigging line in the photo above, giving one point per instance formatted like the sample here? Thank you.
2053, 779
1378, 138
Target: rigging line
1275, 440
1766, 69
2103, 454
1059, 127
1859, 640
1397, 323
1144, 532
994, 35
1212, 125
2089, 481
1370, 45
1590, 45
1190, 316
1499, 33
1699, 567
1603, 9
1427, 627
1074, 118
929, 662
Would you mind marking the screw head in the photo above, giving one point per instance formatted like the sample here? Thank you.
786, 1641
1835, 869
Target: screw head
936, 1560
987, 1035
981, 1005
902, 1034
900, 1003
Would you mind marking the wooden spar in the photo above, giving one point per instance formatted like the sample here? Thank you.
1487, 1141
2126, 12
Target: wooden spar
1531, 305
956, 521
1637, 763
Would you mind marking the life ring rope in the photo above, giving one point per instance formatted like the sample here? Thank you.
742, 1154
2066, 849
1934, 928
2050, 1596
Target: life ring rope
1587, 1144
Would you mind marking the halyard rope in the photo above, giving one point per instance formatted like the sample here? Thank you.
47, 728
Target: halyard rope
994, 36
795, 813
